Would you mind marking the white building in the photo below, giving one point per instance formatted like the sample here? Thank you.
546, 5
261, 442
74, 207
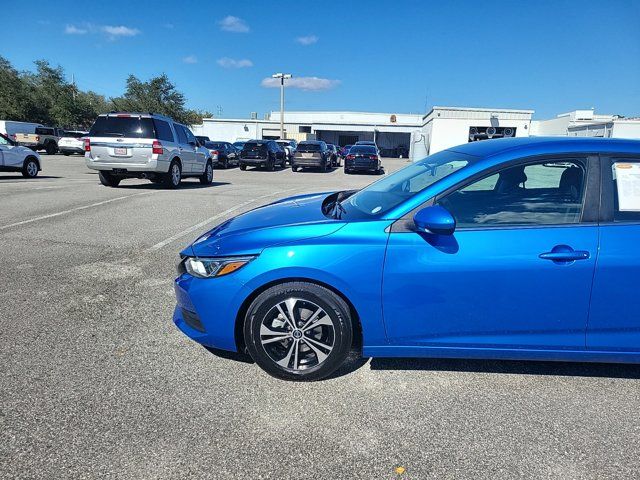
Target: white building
417, 135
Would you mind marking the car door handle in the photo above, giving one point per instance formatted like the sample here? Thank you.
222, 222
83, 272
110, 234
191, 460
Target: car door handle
564, 253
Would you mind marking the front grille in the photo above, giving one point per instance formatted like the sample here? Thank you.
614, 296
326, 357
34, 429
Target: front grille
192, 320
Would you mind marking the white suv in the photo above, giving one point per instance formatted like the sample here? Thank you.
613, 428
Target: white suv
145, 145
16, 158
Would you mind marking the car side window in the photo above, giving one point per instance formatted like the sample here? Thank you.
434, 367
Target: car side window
191, 138
182, 136
163, 131
545, 193
626, 189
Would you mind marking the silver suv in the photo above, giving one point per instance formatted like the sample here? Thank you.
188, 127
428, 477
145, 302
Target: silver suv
145, 145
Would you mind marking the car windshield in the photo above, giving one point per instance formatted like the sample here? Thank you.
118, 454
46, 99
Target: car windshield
308, 147
385, 194
125, 126
215, 145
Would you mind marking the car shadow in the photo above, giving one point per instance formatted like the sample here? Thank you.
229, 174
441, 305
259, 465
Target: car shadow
529, 367
20, 177
184, 185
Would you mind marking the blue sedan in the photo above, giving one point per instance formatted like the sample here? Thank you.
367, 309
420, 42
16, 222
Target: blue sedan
503, 249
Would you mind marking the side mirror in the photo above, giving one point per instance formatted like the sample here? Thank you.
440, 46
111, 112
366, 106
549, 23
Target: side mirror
435, 219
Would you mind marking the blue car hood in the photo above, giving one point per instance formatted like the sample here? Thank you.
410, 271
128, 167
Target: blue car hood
289, 219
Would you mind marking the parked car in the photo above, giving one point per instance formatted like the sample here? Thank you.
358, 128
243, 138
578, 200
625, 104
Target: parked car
335, 158
145, 145
12, 129
262, 153
344, 151
72, 142
312, 153
289, 147
44, 138
224, 154
519, 248
17, 158
363, 158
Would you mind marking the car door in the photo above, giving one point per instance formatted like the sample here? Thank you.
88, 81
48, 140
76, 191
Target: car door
199, 156
517, 271
9, 153
614, 320
187, 151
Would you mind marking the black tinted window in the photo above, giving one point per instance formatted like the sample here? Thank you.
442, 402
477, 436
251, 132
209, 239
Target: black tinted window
114, 126
626, 189
163, 130
254, 146
74, 134
216, 145
44, 131
191, 138
549, 193
182, 136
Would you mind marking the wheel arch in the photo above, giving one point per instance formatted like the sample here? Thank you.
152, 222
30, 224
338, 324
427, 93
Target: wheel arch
242, 311
176, 159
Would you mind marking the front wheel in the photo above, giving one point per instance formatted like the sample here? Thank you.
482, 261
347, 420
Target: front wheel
294, 168
30, 168
243, 166
298, 331
51, 148
207, 176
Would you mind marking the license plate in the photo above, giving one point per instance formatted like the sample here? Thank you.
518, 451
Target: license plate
307, 155
120, 151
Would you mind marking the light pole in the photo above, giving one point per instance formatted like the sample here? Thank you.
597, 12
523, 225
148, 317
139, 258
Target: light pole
282, 77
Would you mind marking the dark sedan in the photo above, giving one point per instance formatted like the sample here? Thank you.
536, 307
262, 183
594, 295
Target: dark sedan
363, 158
223, 153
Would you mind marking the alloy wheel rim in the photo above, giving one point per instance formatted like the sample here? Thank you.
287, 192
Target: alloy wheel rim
175, 174
297, 334
209, 172
32, 169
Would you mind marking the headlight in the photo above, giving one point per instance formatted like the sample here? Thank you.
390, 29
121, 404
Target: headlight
214, 267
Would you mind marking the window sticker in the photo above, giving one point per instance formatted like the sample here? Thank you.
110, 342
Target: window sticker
628, 181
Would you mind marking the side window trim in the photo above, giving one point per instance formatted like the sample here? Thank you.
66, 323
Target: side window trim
592, 193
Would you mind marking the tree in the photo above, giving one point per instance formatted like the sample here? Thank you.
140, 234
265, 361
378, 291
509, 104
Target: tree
158, 95
45, 96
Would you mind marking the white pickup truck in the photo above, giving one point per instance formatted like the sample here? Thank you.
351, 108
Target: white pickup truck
17, 158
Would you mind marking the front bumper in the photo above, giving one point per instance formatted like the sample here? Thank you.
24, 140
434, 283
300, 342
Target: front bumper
362, 167
206, 309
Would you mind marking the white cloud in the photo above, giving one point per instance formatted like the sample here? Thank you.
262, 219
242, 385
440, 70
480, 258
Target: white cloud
226, 62
233, 24
307, 40
117, 31
190, 59
73, 30
303, 83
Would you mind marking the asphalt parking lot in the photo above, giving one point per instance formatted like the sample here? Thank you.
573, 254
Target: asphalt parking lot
97, 382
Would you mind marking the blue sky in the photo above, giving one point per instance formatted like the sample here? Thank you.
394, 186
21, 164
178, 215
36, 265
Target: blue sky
395, 56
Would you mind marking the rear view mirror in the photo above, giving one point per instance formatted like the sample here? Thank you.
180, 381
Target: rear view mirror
435, 219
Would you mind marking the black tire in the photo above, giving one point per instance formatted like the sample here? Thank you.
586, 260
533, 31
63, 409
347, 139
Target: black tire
243, 167
66, 154
294, 168
108, 180
335, 332
380, 171
51, 148
225, 164
271, 164
30, 168
347, 171
173, 178
207, 176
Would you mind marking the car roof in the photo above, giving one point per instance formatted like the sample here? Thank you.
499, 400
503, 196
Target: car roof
312, 141
547, 145
138, 114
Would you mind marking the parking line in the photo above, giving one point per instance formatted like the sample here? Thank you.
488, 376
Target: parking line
71, 210
193, 228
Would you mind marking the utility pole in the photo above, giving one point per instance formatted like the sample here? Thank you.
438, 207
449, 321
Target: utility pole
282, 77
